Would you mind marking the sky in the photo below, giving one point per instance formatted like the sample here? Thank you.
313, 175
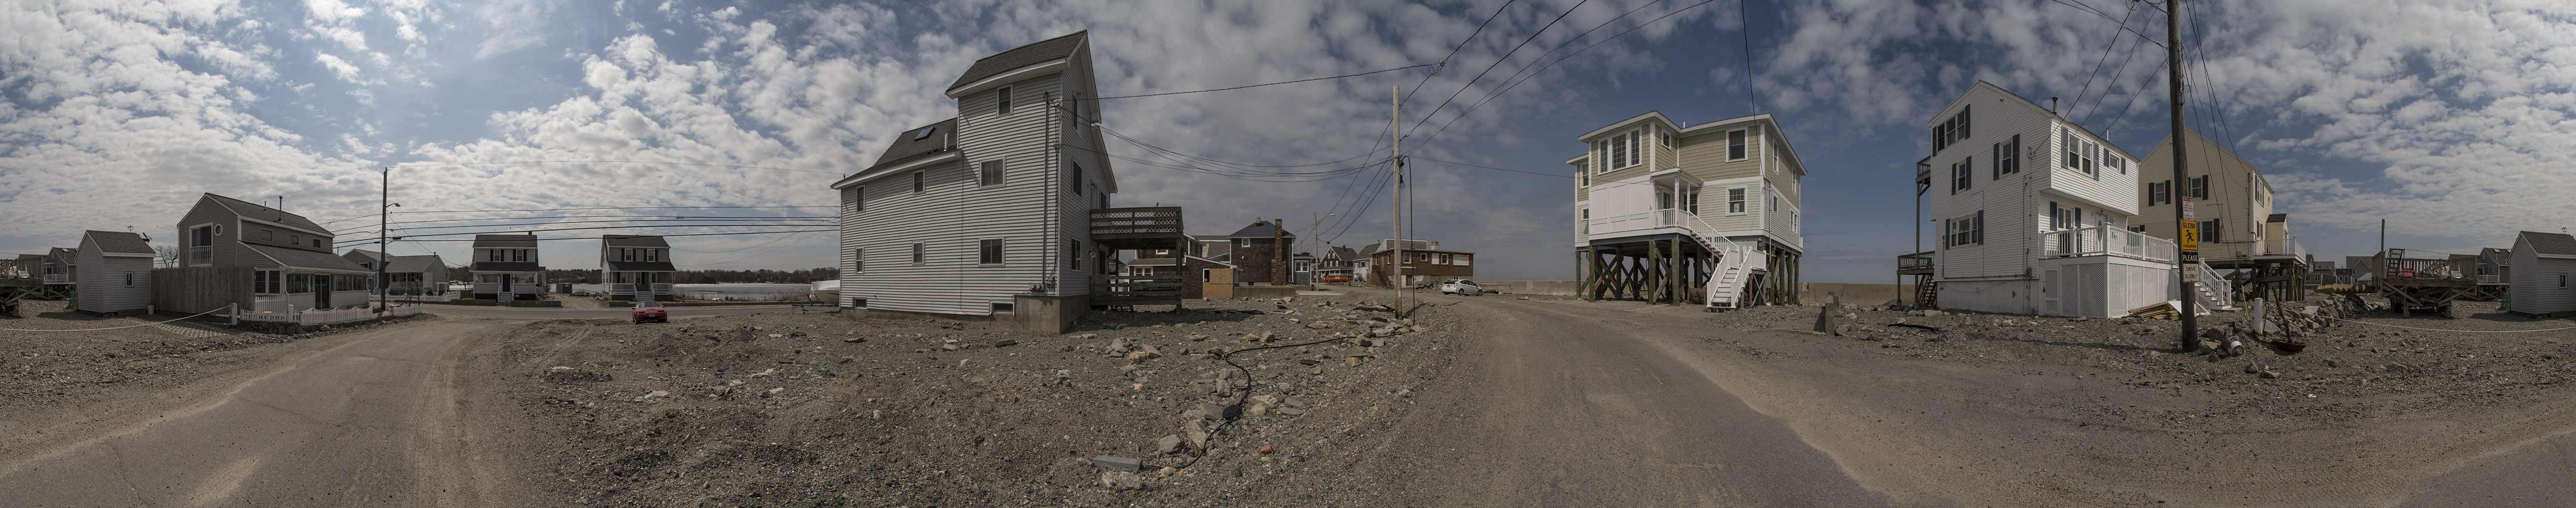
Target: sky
2451, 119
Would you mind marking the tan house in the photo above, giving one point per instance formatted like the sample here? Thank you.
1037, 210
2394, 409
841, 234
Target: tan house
1705, 213
2231, 201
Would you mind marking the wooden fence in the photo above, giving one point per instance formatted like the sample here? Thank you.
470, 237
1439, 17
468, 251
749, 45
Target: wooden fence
197, 289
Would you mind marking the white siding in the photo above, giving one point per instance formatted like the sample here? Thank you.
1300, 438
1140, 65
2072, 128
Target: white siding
2016, 211
955, 212
2533, 279
102, 280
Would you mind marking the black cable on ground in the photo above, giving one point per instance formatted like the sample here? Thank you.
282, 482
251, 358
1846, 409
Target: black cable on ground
1232, 412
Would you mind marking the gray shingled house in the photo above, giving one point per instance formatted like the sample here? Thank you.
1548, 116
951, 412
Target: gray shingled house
267, 260
422, 275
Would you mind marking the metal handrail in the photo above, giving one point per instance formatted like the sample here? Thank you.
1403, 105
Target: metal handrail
2106, 240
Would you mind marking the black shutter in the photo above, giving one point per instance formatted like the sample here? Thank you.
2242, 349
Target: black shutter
1995, 165
1981, 227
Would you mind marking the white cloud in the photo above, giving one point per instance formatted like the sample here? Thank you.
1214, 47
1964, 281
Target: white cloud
339, 68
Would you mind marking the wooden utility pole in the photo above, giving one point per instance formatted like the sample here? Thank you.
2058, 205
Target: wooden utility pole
1395, 128
384, 206
2186, 248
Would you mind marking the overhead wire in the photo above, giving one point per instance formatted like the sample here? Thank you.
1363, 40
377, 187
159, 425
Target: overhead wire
2087, 8
1444, 128
523, 231
1498, 62
2199, 44
2106, 58
596, 238
1416, 66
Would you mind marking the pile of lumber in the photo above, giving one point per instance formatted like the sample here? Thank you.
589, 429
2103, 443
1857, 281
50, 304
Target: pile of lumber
2166, 310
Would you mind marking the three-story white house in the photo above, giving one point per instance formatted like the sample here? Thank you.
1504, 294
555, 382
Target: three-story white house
2033, 213
985, 214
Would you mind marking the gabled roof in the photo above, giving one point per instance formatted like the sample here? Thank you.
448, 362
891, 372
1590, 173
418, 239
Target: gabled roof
1032, 54
370, 256
420, 263
641, 266
634, 241
122, 242
1344, 254
2559, 244
307, 259
251, 211
504, 241
67, 254
2278, 217
1260, 229
911, 145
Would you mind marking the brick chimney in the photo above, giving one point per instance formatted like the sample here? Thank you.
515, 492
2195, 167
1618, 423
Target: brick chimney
1279, 254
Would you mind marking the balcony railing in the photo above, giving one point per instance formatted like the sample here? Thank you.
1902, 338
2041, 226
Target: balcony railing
639, 287
1668, 217
2426, 269
2107, 240
2281, 247
58, 278
201, 254
1920, 261
2489, 278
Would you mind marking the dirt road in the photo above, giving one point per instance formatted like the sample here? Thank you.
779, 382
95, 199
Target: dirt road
370, 421
1547, 407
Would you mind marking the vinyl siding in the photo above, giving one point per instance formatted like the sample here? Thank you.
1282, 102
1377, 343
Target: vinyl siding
227, 252
2015, 205
102, 280
2231, 197
1702, 151
2533, 280
955, 212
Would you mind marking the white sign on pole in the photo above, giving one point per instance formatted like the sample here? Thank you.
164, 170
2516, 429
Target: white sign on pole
2186, 209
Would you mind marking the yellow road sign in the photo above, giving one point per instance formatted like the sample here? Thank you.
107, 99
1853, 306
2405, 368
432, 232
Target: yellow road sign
2190, 238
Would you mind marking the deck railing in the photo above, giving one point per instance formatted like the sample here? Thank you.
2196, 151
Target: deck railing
2448, 268
2282, 247
2107, 240
58, 278
1151, 220
1915, 261
2489, 278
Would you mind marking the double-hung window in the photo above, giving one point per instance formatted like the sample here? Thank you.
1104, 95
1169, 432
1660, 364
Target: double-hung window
1962, 174
1004, 103
989, 251
2199, 189
1735, 149
651, 255
920, 181
519, 255
1735, 200
991, 173
2159, 192
2067, 158
920, 254
1967, 230
495, 255
858, 260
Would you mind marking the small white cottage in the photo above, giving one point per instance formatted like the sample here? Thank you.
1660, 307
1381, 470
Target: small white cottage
118, 274
2542, 263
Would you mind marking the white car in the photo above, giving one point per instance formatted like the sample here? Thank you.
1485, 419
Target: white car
1461, 287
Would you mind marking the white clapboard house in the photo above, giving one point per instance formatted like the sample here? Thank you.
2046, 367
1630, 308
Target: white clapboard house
2034, 213
117, 272
993, 212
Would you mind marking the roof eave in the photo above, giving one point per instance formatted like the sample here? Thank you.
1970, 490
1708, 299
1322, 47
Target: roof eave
874, 172
1013, 76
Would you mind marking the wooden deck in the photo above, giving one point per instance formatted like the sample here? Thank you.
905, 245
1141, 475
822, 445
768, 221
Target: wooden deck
1138, 228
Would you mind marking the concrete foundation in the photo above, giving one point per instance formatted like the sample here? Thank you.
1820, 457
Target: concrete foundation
1050, 314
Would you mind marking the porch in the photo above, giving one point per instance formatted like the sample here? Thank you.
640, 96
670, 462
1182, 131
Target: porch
628, 285
1140, 228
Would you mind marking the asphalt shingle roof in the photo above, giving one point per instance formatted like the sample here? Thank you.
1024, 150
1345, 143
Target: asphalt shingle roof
246, 209
501, 241
488, 266
119, 241
1260, 229
412, 263
300, 258
1023, 56
2550, 243
632, 241
906, 148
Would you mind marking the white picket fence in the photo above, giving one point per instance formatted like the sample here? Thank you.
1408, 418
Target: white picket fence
324, 316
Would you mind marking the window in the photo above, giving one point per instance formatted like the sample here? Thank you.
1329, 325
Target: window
2199, 187
989, 251
1690, 201
919, 254
1962, 174
1582, 177
1668, 139
317, 243
1073, 178
294, 239
298, 283
2159, 192
2091, 167
201, 243
266, 235
2067, 158
1735, 201
2562, 281
920, 181
992, 173
1076, 106
1995, 163
1775, 203
652, 255
1001, 307
519, 255
496, 255
858, 260
1243, 242
1006, 100
1735, 145
2010, 160
267, 282
1073, 255
1969, 230
1950, 131
2209, 230
924, 133
625, 254
1633, 159
1461, 260
858, 198
129, 279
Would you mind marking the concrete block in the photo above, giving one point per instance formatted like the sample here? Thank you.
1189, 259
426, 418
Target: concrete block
1117, 463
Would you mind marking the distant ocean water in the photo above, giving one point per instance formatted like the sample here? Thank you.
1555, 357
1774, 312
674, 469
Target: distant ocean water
752, 292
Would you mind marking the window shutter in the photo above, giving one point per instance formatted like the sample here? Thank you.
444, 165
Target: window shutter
1995, 162
1963, 120
1945, 233
1981, 227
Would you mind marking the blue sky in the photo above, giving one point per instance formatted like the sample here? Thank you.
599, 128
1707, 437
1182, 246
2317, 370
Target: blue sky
2449, 118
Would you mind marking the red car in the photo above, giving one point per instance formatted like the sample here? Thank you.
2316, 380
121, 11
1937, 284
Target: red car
651, 311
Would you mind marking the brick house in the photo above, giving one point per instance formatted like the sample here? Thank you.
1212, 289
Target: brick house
1261, 250
1424, 266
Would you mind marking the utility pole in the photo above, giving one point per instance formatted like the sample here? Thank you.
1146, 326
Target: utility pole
2186, 255
1315, 270
1395, 127
384, 206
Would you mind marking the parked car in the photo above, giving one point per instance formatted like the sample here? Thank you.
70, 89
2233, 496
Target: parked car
651, 311
1461, 287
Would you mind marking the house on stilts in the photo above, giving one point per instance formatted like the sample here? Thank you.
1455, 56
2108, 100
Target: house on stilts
1703, 214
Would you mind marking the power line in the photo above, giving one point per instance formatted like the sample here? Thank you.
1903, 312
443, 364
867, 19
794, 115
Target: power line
603, 221
2106, 58
735, 166
2087, 8
1742, 13
1265, 84
573, 229
596, 238
1444, 128
2106, 88
2200, 41
607, 216
1507, 56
